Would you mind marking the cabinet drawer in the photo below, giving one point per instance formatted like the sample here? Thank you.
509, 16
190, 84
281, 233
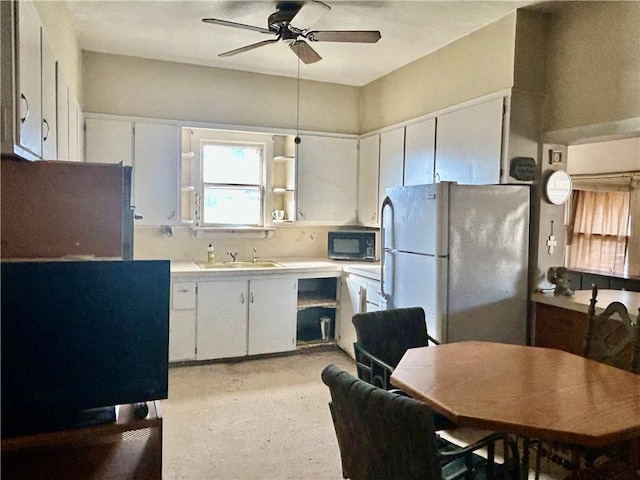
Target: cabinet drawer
183, 295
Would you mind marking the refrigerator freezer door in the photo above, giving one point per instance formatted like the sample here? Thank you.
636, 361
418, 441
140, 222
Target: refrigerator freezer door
413, 221
411, 280
488, 263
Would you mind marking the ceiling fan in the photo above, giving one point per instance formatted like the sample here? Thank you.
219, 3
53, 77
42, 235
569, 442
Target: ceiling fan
290, 22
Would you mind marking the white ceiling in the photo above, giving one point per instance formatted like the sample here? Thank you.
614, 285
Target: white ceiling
172, 30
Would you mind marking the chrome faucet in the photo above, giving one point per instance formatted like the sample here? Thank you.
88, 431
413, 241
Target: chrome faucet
234, 256
255, 256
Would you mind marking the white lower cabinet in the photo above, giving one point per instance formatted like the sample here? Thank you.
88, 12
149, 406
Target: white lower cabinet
358, 294
182, 322
222, 319
272, 315
245, 317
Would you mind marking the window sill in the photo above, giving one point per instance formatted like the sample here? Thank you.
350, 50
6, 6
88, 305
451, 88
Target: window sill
236, 232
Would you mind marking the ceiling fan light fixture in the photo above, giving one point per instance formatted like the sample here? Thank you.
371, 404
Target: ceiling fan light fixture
302, 13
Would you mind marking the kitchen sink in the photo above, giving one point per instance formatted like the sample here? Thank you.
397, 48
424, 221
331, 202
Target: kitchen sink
258, 264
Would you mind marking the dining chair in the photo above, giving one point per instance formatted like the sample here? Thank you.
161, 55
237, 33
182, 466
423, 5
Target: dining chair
612, 337
611, 470
384, 435
383, 337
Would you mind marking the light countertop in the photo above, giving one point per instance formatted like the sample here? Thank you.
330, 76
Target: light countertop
305, 267
579, 301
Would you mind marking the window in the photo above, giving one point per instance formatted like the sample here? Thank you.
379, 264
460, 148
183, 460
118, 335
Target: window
600, 226
232, 184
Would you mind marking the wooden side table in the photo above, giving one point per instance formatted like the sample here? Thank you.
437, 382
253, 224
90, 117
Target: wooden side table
127, 449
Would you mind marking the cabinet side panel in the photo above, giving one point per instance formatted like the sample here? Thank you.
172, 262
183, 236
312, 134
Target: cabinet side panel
52, 209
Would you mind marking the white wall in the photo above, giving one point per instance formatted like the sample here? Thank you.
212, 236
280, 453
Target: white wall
593, 75
287, 242
604, 157
121, 85
476, 65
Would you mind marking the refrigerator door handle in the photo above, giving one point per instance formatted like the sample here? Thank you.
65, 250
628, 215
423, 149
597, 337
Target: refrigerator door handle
383, 248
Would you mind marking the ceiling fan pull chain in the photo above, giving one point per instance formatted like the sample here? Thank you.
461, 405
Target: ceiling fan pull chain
297, 139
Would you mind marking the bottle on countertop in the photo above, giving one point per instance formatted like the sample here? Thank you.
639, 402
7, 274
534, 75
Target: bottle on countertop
211, 254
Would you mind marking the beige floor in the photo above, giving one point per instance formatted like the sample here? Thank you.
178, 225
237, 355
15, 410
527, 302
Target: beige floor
256, 419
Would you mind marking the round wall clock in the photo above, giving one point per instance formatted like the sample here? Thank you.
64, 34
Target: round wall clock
558, 187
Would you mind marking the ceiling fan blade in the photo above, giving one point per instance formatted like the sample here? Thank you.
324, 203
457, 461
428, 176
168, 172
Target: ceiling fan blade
247, 48
305, 52
309, 13
227, 23
356, 36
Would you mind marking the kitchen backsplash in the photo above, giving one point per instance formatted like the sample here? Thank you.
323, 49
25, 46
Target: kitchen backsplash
286, 242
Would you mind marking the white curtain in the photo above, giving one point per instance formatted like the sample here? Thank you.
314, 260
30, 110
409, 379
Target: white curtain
599, 230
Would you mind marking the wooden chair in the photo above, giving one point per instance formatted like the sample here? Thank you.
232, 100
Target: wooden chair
608, 471
382, 339
614, 341
611, 338
383, 435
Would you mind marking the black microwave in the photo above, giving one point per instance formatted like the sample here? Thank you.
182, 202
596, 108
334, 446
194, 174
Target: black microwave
352, 245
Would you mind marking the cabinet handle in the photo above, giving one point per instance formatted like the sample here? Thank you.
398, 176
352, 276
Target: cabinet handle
242, 298
44, 122
304, 217
182, 290
251, 298
26, 103
173, 214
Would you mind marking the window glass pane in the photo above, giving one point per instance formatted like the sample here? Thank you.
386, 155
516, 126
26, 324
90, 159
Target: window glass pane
231, 164
232, 205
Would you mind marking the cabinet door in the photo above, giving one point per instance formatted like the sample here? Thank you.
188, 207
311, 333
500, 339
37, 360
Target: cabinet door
368, 165
108, 141
272, 315
49, 124
469, 144
222, 319
327, 168
29, 78
350, 304
156, 173
391, 161
419, 155
74, 128
182, 335
62, 115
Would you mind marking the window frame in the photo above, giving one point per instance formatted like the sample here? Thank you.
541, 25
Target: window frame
262, 187
192, 136
612, 182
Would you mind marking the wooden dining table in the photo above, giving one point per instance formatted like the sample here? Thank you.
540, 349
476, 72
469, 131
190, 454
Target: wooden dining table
528, 391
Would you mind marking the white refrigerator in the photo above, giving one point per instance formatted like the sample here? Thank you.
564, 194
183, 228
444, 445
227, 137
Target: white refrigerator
461, 252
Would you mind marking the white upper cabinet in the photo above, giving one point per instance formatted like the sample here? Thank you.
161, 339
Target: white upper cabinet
29, 79
153, 149
326, 171
368, 165
49, 123
62, 116
469, 144
156, 173
108, 141
391, 161
419, 155
75, 131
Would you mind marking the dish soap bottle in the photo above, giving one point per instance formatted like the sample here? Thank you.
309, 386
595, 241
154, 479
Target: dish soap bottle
211, 254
